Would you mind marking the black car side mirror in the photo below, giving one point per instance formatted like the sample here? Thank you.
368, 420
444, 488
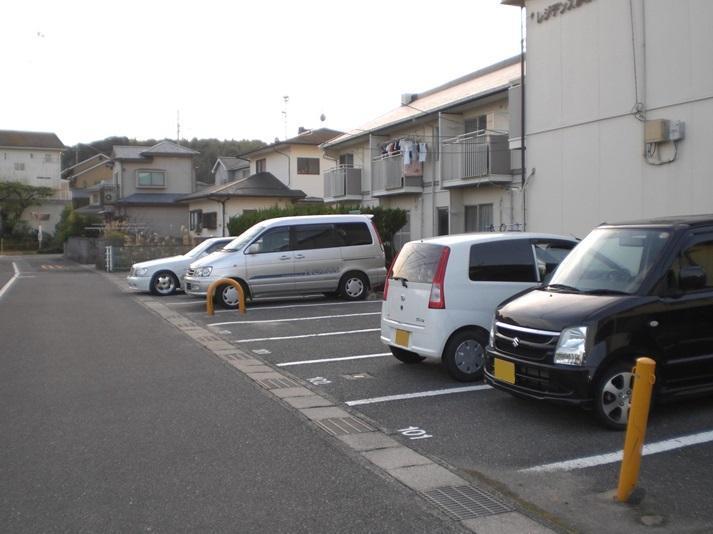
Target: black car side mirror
692, 277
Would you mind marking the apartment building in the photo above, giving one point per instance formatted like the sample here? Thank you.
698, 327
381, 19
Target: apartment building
446, 156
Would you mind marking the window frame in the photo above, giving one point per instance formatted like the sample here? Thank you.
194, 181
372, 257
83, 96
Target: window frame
306, 164
151, 172
260, 165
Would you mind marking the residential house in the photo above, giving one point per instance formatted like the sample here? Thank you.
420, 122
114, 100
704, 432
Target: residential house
228, 169
619, 108
147, 181
89, 172
446, 156
211, 208
297, 162
35, 158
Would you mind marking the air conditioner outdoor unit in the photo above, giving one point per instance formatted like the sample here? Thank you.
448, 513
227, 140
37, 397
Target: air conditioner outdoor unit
108, 196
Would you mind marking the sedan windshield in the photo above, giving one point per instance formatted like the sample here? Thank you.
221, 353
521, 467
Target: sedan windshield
610, 261
244, 238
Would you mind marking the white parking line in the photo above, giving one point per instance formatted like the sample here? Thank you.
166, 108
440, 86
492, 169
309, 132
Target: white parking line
296, 319
341, 359
11, 281
432, 393
612, 457
254, 308
280, 338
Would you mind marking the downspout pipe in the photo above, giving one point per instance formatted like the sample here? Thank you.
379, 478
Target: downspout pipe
289, 166
522, 119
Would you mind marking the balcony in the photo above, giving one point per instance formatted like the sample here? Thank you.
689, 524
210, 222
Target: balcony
475, 158
61, 191
342, 183
391, 177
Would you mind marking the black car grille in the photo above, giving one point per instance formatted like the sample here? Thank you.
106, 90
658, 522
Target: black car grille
527, 344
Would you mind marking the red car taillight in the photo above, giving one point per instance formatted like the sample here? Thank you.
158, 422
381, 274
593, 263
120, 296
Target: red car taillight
437, 298
388, 275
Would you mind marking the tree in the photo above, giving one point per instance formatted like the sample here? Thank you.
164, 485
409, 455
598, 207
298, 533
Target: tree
15, 198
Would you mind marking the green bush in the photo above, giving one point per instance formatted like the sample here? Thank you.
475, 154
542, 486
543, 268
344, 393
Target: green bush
73, 224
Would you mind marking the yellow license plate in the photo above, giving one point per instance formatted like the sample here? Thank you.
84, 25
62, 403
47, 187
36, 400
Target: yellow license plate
402, 337
505, 371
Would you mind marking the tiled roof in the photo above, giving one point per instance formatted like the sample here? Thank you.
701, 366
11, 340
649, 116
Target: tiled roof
262, 184
169, 148
148, 199
309, 137
233, 164
475, 85
128, 152
14, 138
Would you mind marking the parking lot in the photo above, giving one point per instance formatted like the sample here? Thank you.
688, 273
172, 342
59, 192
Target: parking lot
555, 459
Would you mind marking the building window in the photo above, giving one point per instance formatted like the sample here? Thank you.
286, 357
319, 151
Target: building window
19, 166
479, 218
307, 165
209, 220
48, 158
346, 160
442, 219
261, 165
150, 179
195, 220
44, 178
476, 124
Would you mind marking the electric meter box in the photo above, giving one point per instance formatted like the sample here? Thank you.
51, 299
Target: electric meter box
662, 130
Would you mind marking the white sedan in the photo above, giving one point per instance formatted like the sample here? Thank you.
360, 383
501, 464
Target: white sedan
162, 276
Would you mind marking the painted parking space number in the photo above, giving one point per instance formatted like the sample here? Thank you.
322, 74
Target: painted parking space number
414, 432
319, 381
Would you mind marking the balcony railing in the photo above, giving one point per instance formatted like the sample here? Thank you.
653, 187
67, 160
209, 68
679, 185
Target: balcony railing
476, 157
61, 191
391, 177
342, 183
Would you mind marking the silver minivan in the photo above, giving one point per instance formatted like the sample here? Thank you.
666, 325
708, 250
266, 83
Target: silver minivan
334, 254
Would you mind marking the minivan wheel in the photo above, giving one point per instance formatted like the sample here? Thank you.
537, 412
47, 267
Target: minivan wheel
227, 296
406, 356
163, 283
354, 286
464, 356
613, 396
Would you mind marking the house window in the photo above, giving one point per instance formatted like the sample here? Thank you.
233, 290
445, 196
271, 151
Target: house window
261, 165
475, 124
479, 218
307, 165
19, 166
195, 220
48, 158
151, 178
210, 220
346, 160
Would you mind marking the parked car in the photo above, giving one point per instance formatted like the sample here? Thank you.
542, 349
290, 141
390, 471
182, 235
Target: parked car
441, 293
334, 254
163, 276
628, 290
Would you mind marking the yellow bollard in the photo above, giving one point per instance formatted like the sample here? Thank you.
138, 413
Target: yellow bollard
229, 282
644, 379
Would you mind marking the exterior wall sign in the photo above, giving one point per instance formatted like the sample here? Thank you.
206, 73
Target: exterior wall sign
558, 8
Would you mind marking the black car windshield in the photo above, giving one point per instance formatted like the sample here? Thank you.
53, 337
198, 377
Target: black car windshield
244, 238
611, 261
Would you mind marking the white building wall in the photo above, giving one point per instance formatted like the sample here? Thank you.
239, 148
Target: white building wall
584, 144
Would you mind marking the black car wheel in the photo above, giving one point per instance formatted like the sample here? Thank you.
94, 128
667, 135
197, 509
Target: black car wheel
613, 395
406, 356
464, 356
163, 283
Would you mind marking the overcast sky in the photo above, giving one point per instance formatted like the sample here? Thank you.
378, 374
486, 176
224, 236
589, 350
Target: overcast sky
87, 70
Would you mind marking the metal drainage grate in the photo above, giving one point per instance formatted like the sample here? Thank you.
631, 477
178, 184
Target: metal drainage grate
465, 502
277, 383
340, 426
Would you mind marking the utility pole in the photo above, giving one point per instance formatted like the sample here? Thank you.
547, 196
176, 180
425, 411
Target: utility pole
178, 126
286, 99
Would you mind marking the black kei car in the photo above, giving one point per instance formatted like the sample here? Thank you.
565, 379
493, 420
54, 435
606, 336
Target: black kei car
627, 290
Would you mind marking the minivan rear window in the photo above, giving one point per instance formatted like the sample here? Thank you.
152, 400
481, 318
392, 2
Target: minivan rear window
502, 261
354, 234
417, 262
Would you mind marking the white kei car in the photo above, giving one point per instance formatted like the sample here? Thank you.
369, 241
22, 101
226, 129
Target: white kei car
163, 276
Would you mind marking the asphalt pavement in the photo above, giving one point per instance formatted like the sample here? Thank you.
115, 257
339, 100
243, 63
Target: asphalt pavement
114, 421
